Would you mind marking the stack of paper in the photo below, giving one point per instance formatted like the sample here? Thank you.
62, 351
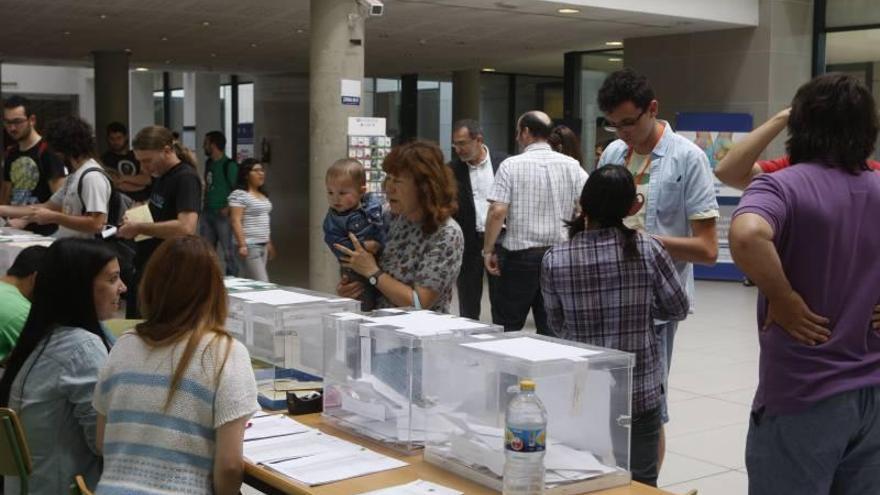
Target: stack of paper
306, 454
417, 487
334, 465
273, 426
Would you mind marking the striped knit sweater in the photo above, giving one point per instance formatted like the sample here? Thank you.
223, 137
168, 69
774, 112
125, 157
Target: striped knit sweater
151, 451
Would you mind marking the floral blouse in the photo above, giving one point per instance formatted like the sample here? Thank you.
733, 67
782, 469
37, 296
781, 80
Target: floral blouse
430, 261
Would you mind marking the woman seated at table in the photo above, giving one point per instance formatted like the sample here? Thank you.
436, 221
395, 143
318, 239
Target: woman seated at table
422, 255
52, 371
174, 399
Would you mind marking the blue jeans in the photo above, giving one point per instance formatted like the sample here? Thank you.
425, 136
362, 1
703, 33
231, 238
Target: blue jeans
831, 448
214, 228
665, 339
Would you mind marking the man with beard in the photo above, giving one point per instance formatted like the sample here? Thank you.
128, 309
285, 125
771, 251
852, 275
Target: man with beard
30, 174
122, 166
80, 208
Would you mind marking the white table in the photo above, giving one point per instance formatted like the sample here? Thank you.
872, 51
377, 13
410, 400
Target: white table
13, 241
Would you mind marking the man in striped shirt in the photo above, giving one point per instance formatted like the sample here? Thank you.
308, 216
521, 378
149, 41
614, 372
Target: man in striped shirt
536, 192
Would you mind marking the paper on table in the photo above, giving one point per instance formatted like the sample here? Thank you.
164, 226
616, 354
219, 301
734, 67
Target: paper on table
140, 214
278, 297
422, 324
273, 426
334, 466
561, 457
417, 487
294, 446
531, 349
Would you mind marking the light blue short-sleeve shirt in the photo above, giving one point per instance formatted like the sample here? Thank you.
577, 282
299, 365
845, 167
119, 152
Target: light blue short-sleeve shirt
682, 189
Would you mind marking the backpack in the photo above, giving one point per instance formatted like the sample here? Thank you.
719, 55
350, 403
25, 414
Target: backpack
226, 163
119, 203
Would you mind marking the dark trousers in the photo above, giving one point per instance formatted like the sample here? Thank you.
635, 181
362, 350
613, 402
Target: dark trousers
644, 446
519, 289
470, 286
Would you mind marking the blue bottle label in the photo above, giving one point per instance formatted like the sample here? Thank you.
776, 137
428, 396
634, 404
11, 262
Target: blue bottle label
525, 440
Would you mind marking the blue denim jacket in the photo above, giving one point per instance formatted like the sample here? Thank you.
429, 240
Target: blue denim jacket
366, 222
52, 394
682, 185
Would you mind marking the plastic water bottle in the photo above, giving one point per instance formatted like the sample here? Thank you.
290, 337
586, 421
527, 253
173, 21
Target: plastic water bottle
525, 439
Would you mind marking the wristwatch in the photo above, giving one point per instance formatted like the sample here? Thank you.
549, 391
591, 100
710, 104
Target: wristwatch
374, 278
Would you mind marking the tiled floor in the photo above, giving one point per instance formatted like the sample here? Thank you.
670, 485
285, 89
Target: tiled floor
714, 375
713, 379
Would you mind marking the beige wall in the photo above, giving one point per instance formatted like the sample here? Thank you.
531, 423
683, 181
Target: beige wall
750, 70
281, 114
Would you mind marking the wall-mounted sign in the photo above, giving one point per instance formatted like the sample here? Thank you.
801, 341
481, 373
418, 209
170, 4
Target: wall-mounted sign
351, 92
366, 126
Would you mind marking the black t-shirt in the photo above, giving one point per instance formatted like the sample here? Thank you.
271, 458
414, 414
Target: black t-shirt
178, 191
126, 165
29, 172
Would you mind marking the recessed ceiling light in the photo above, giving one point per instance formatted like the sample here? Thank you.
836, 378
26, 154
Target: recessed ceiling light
615, 59
423, 42
253, 45
213, 55
128, 50
568, 11
613, 43
488, 69
141, 69
103, 16
66, 33
206, 23
164, 38
167, 62
300, 31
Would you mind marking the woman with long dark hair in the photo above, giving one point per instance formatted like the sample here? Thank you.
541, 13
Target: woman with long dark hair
605, 287
52, 371
177, 391
249, 209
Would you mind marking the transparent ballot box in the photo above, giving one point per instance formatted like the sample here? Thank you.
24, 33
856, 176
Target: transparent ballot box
374, 370
236, 284
283, 327
235, 319
469, 381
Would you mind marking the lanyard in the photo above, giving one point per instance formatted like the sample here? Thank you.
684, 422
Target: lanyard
638, 178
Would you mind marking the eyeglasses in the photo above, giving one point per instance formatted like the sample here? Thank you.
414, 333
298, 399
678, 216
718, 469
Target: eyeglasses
14, 122
627, 123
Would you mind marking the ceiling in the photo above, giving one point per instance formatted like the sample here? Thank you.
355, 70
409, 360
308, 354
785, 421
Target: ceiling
265, 36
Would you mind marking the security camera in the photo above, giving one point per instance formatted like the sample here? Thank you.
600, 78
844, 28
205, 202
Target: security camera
375, 7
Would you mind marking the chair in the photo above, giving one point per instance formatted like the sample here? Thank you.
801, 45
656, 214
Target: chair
78, 487
15, 458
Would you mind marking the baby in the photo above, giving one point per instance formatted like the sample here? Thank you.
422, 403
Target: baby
354, 210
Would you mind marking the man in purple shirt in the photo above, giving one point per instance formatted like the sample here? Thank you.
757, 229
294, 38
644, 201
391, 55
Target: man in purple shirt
808, 237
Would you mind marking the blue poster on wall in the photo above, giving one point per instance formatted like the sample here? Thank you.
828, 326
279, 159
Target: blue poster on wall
715, 134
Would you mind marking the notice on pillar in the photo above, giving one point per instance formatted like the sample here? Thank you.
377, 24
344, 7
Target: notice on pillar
351, 92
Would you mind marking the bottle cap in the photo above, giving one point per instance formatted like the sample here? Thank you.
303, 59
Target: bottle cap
526, 385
